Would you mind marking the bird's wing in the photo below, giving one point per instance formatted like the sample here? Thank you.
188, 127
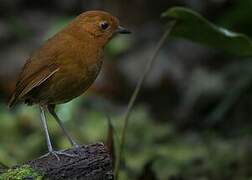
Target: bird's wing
43, 64
24, 86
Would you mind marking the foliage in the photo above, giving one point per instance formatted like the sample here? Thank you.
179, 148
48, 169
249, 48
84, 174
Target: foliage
191, 155
188, 24
20, 173
194, 27
158, 139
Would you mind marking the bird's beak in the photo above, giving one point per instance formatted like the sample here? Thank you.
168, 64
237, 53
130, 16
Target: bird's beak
122, 30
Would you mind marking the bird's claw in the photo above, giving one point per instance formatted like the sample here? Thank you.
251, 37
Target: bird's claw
75, 145
59, 153
54, 153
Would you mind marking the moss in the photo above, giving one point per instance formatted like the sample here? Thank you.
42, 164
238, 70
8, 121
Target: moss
21, 173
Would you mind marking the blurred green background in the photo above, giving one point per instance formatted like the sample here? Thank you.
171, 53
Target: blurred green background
192, 120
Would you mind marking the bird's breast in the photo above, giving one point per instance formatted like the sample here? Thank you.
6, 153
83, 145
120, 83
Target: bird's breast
75, 80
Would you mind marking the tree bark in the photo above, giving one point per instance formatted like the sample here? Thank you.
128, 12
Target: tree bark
91, 162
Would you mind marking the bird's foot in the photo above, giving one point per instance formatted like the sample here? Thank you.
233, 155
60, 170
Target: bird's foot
75, 145
57, 154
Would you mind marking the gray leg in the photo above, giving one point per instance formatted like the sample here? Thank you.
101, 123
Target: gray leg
51, 109
48, 141
44, 125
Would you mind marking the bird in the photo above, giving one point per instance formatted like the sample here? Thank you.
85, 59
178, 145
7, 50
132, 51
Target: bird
65, 66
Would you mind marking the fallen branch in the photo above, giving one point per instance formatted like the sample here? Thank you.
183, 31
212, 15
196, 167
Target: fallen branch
91, 162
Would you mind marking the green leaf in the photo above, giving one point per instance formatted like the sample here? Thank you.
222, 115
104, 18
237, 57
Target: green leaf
194, 27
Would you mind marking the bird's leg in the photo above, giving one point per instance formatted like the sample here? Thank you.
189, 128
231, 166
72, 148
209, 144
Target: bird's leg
48, 141
44, 124
51, 109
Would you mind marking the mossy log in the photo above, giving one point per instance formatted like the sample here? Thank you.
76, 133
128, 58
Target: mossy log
91, 162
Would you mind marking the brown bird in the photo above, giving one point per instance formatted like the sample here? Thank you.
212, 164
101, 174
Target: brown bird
65, 66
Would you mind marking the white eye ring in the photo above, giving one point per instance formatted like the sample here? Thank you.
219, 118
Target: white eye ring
104, 25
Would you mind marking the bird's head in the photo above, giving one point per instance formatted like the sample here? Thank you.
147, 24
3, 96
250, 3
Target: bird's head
99, 24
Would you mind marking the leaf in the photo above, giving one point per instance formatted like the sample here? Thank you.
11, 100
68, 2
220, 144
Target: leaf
194, 27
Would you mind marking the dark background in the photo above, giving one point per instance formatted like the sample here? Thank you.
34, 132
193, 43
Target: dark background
192, 119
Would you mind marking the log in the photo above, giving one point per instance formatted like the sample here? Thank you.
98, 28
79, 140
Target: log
89, 162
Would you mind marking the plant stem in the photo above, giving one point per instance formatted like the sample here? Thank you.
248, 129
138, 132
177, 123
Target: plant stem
135, 94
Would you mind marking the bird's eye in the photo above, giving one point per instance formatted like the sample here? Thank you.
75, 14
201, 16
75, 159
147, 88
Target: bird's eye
104, 25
